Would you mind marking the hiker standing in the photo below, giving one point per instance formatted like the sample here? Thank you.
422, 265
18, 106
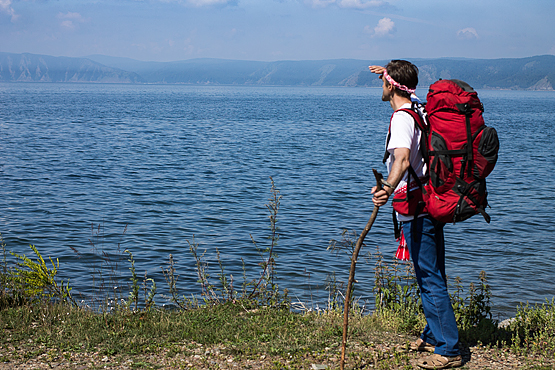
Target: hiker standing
423, 235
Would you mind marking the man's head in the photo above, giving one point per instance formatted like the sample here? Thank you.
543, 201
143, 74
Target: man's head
402, 76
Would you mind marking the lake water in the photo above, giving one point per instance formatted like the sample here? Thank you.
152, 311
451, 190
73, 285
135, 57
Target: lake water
80, 162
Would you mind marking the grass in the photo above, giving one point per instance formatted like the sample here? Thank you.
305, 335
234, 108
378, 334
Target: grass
244, 332
252, 326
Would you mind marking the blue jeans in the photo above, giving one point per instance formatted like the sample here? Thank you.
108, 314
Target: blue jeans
427, 250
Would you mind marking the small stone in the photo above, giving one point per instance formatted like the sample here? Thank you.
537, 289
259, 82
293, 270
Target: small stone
319, 367
506, 323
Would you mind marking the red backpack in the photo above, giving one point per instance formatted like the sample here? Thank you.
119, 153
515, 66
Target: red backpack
460, 150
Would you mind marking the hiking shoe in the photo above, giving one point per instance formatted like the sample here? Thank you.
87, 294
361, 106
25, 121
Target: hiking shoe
422, 346
436, 361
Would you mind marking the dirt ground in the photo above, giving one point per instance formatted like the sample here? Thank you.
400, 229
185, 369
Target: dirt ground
371, 355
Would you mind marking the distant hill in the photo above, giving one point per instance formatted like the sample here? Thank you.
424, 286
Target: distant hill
533, 73
43, 68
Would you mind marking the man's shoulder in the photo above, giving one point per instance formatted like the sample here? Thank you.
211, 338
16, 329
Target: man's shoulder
410, 112
402, 115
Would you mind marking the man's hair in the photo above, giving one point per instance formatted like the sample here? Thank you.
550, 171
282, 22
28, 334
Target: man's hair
405, 73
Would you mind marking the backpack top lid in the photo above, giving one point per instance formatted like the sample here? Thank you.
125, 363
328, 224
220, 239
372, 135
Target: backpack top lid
463, 85
446, 84
447, 94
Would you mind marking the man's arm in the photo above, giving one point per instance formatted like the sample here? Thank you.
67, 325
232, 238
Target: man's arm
398, 169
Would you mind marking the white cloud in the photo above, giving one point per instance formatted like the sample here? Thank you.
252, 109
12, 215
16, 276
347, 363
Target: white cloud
70, 19
319, 3
385, 27
355, 4
198, 3
70, 15
67, 24
6, 7
467, 34
360, 4
208, 2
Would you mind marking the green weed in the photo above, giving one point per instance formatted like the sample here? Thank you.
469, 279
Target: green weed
533, 329
134, 293
397, 295
33, 280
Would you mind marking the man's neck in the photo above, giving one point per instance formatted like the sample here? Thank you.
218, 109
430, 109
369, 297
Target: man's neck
398, 101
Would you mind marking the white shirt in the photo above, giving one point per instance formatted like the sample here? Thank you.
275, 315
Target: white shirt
404, 134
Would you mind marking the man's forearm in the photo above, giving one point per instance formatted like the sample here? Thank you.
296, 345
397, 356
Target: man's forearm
399, 167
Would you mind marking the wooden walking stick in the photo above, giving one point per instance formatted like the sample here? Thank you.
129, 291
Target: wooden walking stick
379, 178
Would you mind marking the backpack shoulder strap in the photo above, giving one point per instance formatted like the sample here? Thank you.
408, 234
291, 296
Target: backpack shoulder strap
418, 120
423, 125
420, 123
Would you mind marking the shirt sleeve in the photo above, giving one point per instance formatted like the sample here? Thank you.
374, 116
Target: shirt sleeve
402, 131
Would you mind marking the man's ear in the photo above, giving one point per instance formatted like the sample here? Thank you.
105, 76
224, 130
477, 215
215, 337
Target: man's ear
390, 88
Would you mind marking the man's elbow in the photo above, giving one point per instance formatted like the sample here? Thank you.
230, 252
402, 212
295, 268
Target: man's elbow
405, 164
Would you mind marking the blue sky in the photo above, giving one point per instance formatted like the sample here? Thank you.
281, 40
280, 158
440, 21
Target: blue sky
269, 30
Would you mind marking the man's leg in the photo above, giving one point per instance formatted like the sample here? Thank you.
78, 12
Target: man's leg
427, 250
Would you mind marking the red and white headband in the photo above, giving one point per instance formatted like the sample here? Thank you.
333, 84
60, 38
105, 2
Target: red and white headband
397, 84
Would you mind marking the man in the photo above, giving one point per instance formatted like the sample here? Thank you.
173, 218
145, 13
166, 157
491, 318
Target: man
423, 235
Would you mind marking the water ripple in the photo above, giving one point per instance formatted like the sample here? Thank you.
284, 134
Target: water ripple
80, 162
